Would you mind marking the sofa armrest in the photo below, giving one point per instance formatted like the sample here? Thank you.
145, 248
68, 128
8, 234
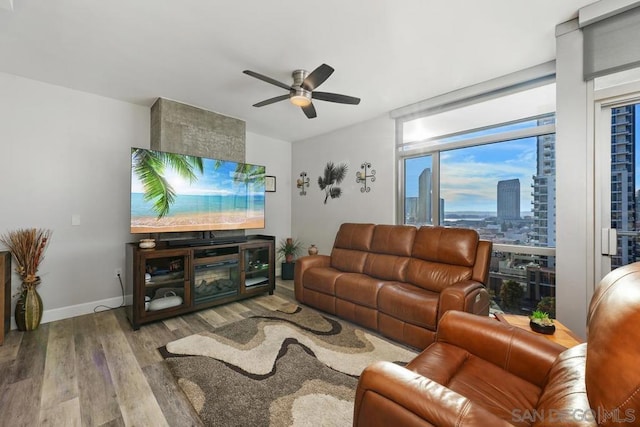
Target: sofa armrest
523, 353
389, 394
468, 295
304, 263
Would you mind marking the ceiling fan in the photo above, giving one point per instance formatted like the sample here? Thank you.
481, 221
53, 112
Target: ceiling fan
302, 91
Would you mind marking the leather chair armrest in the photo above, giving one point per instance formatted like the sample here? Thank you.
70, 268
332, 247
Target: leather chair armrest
389, 394
468, 295
520, 352
304, 263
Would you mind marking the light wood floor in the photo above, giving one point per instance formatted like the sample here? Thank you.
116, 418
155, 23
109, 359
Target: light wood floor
94, 370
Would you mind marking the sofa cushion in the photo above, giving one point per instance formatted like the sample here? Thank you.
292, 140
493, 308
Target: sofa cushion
386, 267
455, 246
391, 247
435, 276
348, 260
354, 236
359, 289
409, 303
393, 239
480, 381
351, 246
322, 279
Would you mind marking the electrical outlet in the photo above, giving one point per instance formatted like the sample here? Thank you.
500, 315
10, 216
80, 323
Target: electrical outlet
118, 273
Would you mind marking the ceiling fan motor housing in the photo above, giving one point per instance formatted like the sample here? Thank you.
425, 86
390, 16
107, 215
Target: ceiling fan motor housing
299, 76
299, 96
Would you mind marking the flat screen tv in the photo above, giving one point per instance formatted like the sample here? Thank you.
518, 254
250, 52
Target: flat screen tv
176, 193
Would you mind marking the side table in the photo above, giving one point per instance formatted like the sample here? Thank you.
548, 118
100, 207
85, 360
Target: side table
563, 335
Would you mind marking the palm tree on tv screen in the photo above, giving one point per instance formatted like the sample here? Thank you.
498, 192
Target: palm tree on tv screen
150, 165
246, 173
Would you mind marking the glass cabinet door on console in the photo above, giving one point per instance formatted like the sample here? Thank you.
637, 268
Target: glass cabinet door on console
257, 266
166, 281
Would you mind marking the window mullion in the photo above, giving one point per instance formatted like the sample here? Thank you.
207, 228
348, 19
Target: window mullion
435, 188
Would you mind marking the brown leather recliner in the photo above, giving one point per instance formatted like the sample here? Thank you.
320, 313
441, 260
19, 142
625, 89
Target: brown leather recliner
480, 372
396, 279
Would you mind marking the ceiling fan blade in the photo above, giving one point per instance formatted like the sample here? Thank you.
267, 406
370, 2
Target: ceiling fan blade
310, 111
271, 100
335, 97
317, 77
266, 79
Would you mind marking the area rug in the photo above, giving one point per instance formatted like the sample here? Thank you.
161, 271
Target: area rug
283, 369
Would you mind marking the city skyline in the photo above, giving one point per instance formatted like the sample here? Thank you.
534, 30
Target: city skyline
469, 176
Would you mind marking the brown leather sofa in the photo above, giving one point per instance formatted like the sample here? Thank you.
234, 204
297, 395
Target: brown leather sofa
397, 279
480, 372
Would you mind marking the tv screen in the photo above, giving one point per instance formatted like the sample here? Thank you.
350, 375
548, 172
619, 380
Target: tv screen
175, 193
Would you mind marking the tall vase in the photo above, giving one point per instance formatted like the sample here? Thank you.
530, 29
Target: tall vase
28, 310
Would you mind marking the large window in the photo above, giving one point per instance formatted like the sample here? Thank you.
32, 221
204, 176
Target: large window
499, 180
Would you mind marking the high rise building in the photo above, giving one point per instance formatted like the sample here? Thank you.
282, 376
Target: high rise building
424, 197
509, 199
623, 206
410, 210
543, 230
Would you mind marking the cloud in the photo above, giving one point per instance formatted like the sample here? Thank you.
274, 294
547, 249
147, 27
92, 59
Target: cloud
469, 176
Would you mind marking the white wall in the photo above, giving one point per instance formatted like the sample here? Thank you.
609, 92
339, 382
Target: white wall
371, 141
276, 156
574, 183
65, 152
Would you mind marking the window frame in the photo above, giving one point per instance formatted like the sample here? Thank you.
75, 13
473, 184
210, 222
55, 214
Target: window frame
433, 147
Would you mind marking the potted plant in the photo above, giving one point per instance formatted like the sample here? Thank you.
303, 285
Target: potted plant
288, 249
539, 321
27, 247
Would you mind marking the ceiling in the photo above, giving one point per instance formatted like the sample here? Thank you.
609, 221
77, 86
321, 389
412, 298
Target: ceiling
389, 53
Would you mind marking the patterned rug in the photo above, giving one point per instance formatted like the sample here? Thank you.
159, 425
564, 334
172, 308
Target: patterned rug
281, 369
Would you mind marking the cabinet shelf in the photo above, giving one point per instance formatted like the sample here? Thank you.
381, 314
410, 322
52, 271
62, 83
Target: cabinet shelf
261, 271
202, 276
254, 281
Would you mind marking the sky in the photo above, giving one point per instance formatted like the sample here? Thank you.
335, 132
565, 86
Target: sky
469, 176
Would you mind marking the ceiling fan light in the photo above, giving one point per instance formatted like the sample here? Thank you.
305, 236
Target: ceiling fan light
300, 100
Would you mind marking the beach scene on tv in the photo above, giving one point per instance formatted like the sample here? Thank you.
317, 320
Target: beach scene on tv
174, 192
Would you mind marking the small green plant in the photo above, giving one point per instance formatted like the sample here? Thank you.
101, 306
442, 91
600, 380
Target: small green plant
289, 248
541, 318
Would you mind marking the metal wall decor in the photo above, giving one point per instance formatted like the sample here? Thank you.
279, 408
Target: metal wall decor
333, 175
302, 182
364, 174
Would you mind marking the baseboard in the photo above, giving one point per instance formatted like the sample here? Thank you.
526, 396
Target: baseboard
78, 309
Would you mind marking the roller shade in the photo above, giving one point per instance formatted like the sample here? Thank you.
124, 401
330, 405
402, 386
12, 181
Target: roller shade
612, 44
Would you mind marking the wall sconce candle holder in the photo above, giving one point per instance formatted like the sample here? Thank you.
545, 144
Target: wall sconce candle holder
302, 182
363, 175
